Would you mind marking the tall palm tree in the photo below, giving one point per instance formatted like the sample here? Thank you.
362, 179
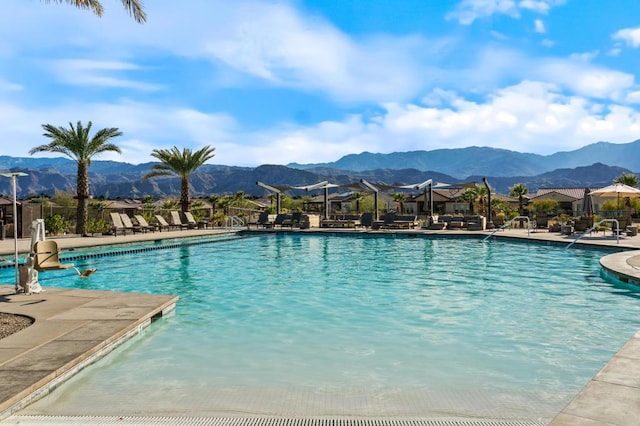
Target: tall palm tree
400, 198
134, 7
519, 190
470, 195
76, 144
357, 197
183, 164
630, 179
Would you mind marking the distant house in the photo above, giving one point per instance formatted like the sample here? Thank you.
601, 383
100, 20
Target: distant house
569, 199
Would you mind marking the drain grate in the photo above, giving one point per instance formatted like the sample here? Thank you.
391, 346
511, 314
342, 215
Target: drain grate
254, 421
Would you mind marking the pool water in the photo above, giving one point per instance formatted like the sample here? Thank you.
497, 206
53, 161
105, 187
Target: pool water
371, 325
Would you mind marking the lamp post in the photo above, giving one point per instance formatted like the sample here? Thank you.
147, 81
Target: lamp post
13, 177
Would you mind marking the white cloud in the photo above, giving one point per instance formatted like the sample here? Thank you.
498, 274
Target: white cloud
7, 86
530, 116
539, 26
78, 72
540, 6
631, 36
584, 79
468, 11
633, 97
273, 42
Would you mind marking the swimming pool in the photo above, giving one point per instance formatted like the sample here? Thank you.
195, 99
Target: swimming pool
360, 325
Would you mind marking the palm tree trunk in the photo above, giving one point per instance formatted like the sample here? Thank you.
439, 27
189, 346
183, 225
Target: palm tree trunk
184, 195
82, 215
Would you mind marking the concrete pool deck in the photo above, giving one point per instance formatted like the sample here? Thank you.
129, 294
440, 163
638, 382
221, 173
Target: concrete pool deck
75, 327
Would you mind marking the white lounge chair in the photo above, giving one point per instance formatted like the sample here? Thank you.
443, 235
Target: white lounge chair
118, 225
176, 221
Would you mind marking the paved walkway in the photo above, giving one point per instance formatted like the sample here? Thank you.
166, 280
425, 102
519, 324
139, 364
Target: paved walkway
75, 327
72, 328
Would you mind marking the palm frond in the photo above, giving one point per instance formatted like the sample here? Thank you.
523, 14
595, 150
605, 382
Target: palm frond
133, 7
93, 5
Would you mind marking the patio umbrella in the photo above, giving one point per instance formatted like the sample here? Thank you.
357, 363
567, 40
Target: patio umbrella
617, 190
587, 203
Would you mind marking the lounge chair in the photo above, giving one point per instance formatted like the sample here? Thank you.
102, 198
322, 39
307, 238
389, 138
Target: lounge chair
192, 222
143, 224
162, 223
387, 221
366, 220
542, 221
296, 218
408, 222
263, 220
118, 225
475, 223
47, 256
176, 221
281, 220
456, 222
583, 224
126, 221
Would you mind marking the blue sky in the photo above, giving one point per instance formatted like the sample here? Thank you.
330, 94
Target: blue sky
274, 82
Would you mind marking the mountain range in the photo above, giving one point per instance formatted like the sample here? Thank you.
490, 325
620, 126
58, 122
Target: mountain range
594, 165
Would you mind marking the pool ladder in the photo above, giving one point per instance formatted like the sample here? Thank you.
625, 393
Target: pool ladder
509, 222
234, 222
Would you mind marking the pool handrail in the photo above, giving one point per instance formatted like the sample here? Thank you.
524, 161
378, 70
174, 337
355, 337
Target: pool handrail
617, 231
509, 222
233, 222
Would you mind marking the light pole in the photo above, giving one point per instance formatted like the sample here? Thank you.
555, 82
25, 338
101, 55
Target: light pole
13, 177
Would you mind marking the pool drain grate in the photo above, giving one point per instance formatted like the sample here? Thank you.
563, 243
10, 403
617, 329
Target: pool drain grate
254, 421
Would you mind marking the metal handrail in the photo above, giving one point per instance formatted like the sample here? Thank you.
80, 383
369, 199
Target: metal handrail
234, 222
617, 232
509, 222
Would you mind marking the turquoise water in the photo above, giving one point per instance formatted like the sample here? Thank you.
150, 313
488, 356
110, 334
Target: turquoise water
355, 325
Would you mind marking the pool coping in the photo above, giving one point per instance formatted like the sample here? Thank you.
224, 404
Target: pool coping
72, 329
71, 324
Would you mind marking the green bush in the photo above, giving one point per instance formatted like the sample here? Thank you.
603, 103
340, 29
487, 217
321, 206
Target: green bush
97, 226
56, 224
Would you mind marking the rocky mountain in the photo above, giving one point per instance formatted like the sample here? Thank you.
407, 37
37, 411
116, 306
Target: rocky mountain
484, 161
502, 167
211, 179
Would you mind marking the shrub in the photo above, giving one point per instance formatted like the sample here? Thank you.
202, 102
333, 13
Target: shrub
56, 224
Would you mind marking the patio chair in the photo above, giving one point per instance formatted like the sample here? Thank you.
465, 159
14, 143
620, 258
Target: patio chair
126, 221
118, 225
143, 224
47, 256
162, 223
263, 220
191, 221
583, 224
388, 220
176, 221
282, 220
542, 221
366, 220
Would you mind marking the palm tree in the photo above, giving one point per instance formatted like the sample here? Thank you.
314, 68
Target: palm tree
483, 195
630, 179
134, 7
76, 144
519, 190
357, 197
183, 164
400, 198
470, 195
